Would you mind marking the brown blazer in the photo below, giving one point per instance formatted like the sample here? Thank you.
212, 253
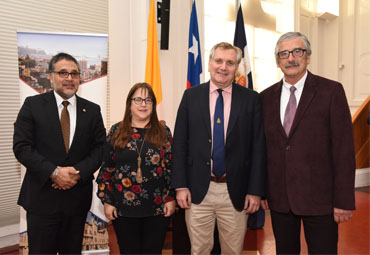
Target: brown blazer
312, 170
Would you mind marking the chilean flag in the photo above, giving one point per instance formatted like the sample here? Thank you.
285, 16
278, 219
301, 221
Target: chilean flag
244, 74
194, 56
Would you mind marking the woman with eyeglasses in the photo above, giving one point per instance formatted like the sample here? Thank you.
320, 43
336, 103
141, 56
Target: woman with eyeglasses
134, 180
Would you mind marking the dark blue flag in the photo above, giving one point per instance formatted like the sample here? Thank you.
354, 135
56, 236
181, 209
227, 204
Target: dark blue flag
244, 74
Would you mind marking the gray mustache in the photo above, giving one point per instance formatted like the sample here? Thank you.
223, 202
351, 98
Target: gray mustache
292, 64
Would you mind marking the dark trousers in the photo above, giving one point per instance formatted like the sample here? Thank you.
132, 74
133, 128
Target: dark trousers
52, 234
256, 220
321, 233
180, 236
141, 235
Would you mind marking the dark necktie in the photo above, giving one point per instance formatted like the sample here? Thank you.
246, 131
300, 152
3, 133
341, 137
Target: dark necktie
65, 123
290, 111
218, 137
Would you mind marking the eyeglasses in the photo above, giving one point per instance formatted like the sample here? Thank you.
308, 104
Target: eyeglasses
297, 53
139, 100
65, 74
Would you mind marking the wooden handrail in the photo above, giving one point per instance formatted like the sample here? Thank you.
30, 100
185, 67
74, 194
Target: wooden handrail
361, 133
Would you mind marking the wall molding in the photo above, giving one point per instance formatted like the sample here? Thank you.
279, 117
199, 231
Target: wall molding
9, 235
362, 178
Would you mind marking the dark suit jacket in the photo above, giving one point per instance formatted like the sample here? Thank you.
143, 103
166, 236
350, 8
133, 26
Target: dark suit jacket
38, 145
244, 149
313, 170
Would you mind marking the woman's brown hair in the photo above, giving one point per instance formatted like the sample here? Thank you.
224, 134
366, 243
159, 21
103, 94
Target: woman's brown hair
156, 133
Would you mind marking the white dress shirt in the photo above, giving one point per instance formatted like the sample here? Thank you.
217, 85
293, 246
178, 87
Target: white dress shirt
285, 94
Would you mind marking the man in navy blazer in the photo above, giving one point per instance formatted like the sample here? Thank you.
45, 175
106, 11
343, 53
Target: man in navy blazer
311, 165
237, 193
57, 188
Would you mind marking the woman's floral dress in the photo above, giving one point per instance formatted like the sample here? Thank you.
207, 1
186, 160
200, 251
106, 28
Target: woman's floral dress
117, 177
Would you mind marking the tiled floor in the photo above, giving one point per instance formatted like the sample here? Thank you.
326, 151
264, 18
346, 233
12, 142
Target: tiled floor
353, 235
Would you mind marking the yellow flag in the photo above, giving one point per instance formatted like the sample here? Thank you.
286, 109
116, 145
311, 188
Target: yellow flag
152, 70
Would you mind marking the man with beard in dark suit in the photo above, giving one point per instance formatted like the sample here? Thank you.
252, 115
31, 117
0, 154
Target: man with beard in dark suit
58, 137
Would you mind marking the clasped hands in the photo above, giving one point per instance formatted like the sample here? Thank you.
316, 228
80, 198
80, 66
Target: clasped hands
67, 178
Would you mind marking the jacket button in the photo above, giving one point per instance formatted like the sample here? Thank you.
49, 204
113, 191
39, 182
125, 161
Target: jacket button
207, 163
287, 147
210, 140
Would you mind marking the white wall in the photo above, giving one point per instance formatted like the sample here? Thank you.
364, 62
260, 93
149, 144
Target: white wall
341, 50
127, 54
341, 47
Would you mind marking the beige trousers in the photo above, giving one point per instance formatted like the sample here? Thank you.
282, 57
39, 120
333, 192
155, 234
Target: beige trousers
200, 222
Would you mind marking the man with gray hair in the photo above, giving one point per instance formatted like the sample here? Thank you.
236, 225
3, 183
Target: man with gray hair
310, 151
219, 155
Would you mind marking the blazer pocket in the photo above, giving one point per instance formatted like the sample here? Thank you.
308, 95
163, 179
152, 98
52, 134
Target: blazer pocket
321, 186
